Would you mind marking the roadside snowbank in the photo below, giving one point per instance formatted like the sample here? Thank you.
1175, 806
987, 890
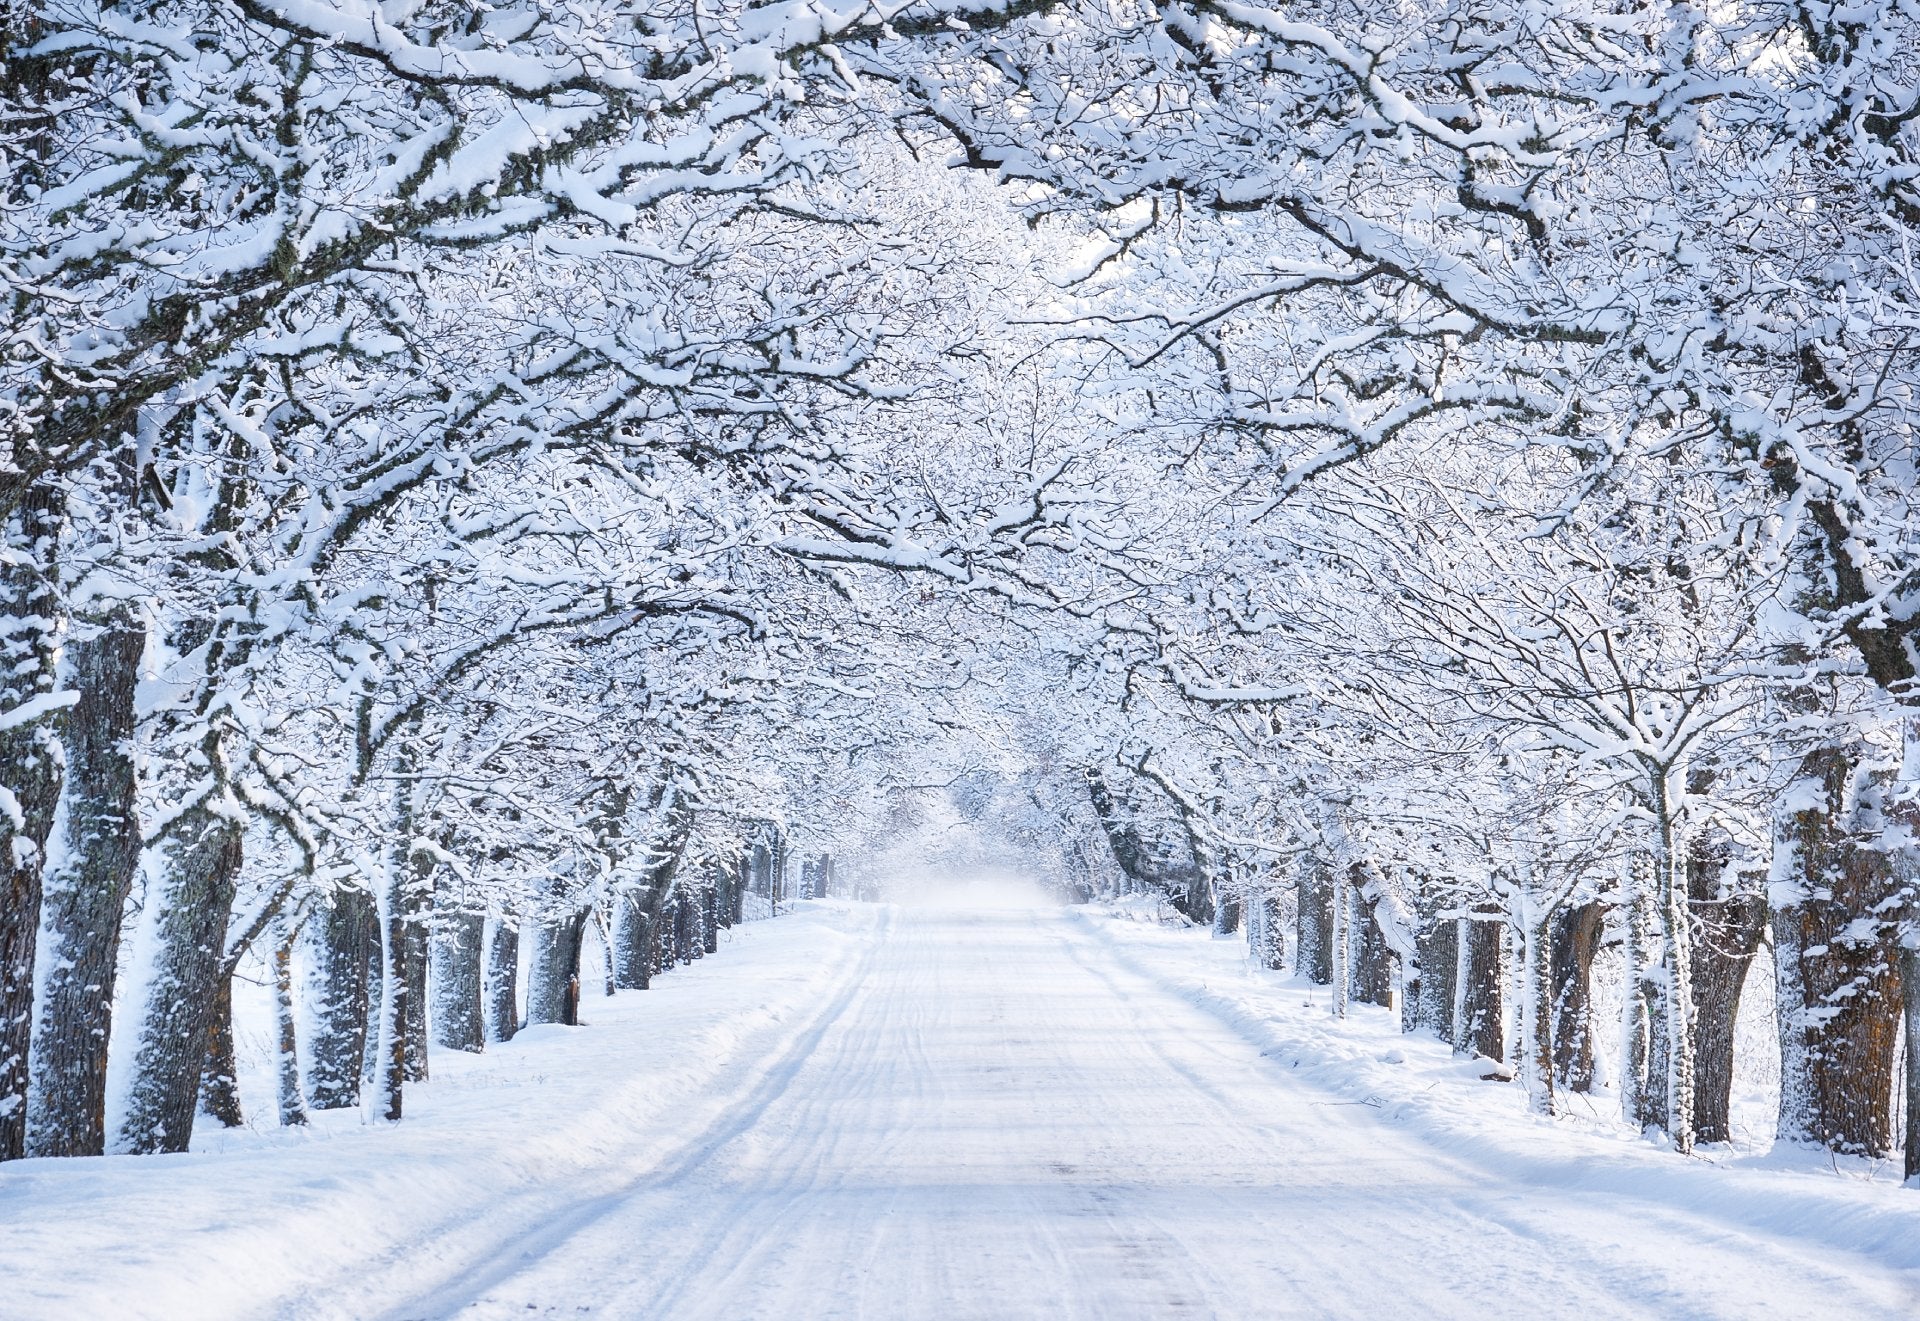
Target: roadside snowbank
317, 1221
1417, 1082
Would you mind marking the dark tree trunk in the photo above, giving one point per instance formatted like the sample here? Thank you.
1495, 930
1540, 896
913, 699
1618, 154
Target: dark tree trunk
1314, 920
633, 944
396, 980
293, 1110
503, 977
376, 1001
199, 868
1576, 937
604, 915
1910, 1003
418, 937
85, 898
1726, 935
737, 907
1483, 1033
219, 1076
343, 948
1373, 959
30, 769
710, 919
1838, 977
1272, 953
553, 974
1430, 997
459, 1013
1429, 1003
1226, 917
660, 953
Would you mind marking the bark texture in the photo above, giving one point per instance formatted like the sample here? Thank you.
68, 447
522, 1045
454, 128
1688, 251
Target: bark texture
1270, 949
459, 1010
30, 771
1374, 962
1910, 1002
553, 972
633, 943
293, 1109
1430, 997
86, 895
343, 955
503, 978
1484, 968
1726, 935
1576, 935
417, 939
1837, 962
1313, 918
199, 868
220, 1074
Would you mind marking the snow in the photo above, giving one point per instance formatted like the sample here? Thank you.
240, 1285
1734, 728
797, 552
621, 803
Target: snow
982, 1108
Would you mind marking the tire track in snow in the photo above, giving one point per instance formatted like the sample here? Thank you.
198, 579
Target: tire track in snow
1005, 1117
534, 1237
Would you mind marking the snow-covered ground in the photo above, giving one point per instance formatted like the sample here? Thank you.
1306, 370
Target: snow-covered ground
992, 1112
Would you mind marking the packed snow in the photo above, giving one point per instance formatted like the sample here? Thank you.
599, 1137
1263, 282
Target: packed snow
984, 1107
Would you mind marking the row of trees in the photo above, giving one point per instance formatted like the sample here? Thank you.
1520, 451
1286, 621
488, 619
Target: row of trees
1532, 538
1459, 464
424, 429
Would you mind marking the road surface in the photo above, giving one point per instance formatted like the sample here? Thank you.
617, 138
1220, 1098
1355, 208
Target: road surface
991, 1118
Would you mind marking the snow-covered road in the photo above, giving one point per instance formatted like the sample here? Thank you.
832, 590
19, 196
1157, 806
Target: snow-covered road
994, 1114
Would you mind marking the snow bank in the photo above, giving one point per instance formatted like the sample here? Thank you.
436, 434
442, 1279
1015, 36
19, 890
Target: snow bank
1416, 1082
336, 1219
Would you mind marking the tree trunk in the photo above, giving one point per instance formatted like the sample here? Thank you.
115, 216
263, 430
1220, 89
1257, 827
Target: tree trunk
1485, 974
1576, 937
1836, 953
1671, 865
1430, 997
660, 950
1641, 1103
1910, 1003
1271, 951
199, 868
459, 1013
633, 943
343, 942
1314, 922
710, 919
554, 970
604, 913
219, 1076
1374, 962
1226, 917
1536, 1016
86, 894
390, 1056
30, 774
503, 977
418, 937
1726, 936
293, 1110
